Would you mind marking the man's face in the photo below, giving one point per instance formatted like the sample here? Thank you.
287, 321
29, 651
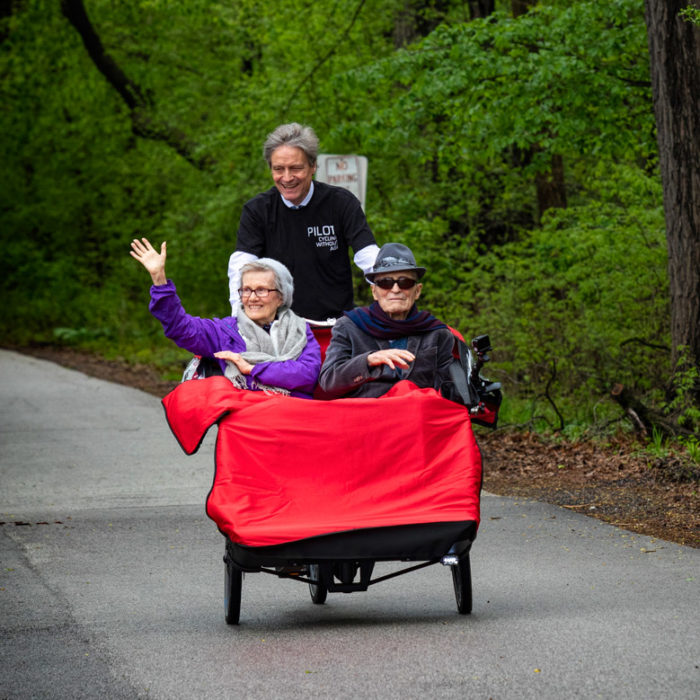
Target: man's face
396, 302
291, 172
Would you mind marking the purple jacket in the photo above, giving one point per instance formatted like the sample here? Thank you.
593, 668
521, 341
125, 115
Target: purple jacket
205, 336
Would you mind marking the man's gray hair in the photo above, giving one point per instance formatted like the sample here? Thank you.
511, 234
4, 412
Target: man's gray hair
295, 135
283, 277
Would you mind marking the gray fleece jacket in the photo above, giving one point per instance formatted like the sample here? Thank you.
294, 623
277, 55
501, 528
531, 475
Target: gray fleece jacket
345, 371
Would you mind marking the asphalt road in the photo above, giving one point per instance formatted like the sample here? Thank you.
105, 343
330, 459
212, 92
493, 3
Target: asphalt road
111, 581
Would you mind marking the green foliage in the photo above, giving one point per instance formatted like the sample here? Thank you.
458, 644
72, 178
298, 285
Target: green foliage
692, 447
691, 14
577, 305
456, 125
686, 386
470, 115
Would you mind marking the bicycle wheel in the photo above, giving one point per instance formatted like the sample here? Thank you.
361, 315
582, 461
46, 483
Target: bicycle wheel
462, 580
233, 584
318, 591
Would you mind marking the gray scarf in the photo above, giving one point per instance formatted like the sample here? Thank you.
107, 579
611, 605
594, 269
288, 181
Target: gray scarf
285, 341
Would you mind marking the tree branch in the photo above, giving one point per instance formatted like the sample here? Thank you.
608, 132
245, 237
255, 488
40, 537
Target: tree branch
323, 59
646, 343
138, 101
74, 11
547, 395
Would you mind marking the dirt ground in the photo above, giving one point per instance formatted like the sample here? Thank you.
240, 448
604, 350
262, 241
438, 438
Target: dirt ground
616, 483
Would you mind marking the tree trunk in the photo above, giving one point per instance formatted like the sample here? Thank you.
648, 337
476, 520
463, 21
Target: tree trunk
7, 8
549, 184
481, 8
417, 18
551, 189
520, 7
674, 50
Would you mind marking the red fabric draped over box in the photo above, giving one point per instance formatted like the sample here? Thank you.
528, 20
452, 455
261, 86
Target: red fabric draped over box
289, 469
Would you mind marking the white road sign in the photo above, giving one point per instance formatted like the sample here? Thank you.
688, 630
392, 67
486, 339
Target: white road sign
347, 171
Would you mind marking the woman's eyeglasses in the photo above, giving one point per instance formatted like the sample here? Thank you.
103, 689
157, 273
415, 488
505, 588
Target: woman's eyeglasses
389, 282
260, 292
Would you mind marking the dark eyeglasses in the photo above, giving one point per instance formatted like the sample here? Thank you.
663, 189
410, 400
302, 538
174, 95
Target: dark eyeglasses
389, 282
260, 292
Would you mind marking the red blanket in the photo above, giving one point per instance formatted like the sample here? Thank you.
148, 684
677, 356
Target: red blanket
288, 468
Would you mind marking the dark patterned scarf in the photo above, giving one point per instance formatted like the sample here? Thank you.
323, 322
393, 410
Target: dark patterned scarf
372, 320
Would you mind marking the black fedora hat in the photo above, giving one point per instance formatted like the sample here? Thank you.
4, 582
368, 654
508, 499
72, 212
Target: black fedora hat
393, 257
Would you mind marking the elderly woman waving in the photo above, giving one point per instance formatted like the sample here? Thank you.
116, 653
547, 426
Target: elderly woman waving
266, 347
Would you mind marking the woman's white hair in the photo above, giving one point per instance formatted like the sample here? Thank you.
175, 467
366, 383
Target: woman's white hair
283, 277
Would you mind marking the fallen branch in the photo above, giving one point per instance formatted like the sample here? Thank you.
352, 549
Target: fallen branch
645, 420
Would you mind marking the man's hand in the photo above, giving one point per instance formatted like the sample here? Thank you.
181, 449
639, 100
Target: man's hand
394, 357
244, 367
153, 261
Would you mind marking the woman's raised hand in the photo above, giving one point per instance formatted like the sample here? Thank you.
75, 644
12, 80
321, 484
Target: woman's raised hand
151, 259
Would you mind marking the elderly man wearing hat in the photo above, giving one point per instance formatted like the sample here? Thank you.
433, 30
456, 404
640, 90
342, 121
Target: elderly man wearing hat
375, 346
